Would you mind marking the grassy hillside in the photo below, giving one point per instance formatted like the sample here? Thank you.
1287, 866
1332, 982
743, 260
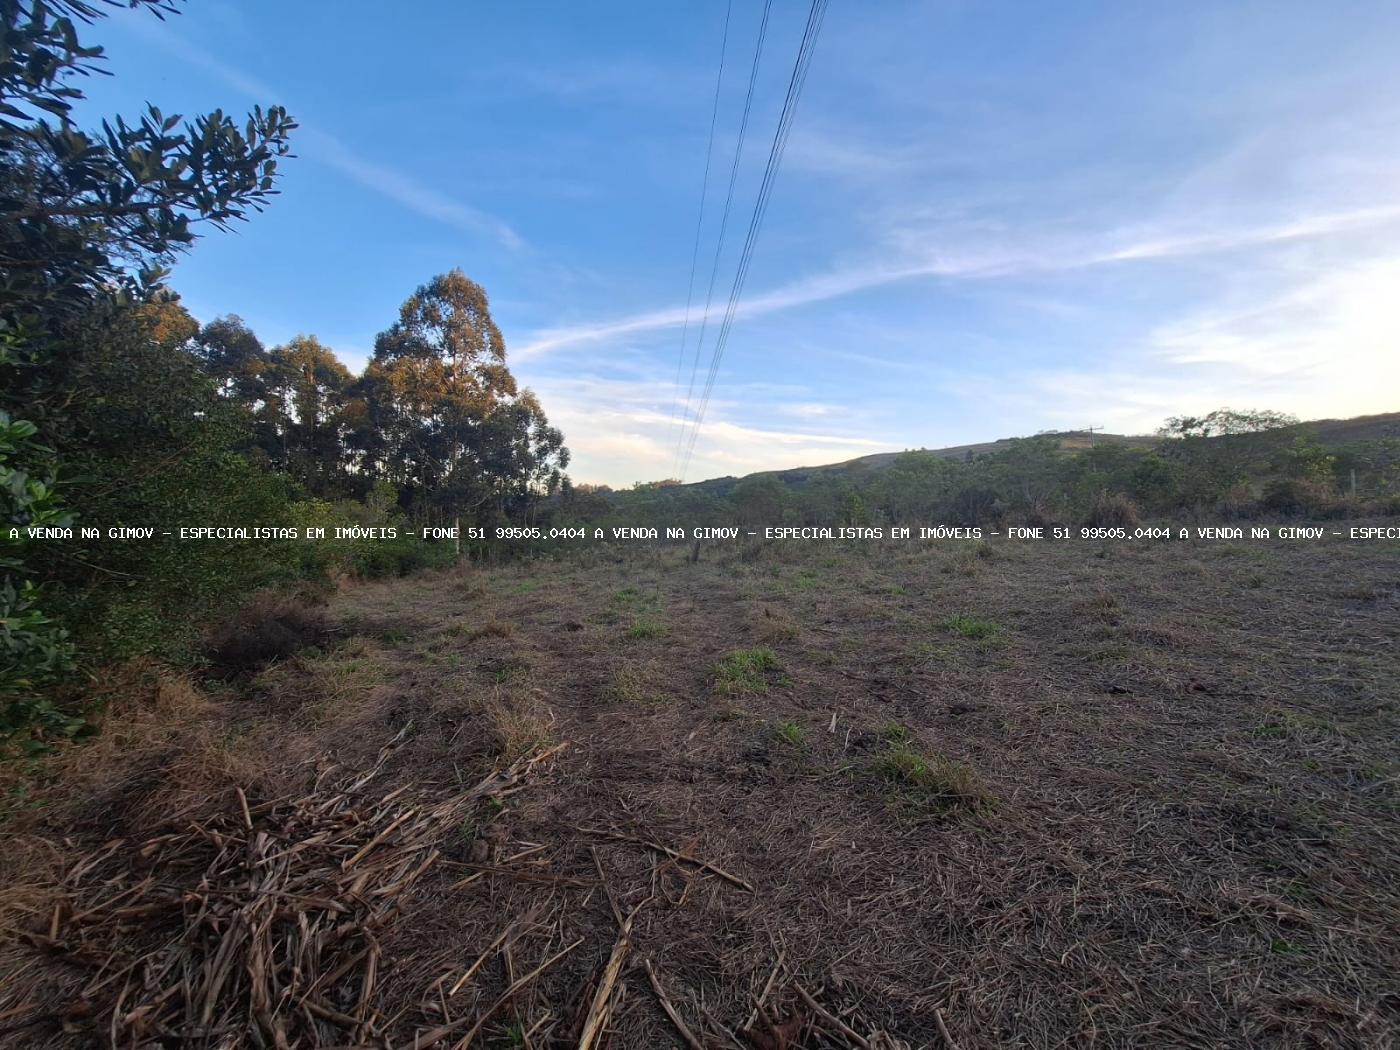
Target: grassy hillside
1225, 465
1330, 432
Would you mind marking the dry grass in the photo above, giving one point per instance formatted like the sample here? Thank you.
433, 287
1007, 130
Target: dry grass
491, 629
1113, 510
1193, 841
515, 725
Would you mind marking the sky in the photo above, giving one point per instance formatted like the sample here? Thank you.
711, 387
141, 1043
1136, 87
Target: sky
990, 219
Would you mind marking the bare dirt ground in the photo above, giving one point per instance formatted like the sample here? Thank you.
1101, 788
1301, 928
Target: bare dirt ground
965, 795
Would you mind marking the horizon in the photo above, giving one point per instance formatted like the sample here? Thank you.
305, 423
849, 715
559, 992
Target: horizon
1073, 218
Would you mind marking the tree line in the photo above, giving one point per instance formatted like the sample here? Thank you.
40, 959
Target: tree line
436, 415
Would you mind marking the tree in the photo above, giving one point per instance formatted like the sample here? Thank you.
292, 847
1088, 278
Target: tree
309, 386
916, 485
235, 358
437, 375
759, 500
1226, 422
521, 457
148, 440
88, 220
1214, 453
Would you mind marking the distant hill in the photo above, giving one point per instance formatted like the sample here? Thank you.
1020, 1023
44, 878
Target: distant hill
1327, 432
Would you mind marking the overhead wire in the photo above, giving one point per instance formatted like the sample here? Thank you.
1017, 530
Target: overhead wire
796, 82
700, 220
724, 220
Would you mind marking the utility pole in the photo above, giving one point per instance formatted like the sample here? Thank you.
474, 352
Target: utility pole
1090, 432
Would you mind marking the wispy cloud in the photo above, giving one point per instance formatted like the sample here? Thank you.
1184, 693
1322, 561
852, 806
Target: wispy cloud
980, 262
326, 148
408, 191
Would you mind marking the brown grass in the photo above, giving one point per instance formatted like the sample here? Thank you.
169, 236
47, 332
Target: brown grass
1113, 510
1192, 841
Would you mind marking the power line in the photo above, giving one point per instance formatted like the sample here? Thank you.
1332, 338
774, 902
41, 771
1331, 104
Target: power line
724, 219
780, 136
795, 85
700, 221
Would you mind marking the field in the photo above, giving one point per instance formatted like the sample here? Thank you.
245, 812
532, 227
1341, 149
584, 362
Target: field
962, 795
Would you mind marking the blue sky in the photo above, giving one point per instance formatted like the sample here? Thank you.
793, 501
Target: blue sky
991, 219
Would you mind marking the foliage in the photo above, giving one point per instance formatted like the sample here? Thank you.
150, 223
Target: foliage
87, 222
447, 423
82, 213
1224, 422
150, 443
34, 650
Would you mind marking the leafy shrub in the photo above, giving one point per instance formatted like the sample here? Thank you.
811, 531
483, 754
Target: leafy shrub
34, 649
403, 556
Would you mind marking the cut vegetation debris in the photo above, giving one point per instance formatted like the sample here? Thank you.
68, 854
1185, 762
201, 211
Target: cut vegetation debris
261, 922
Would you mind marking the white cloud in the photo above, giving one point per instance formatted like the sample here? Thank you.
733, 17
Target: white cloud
408, 191
986, 261
1324, 347
811, 410
621, 431
1329, 344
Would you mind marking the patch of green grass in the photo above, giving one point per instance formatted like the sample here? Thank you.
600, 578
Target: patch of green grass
631, 604
514, 1035
1281, 946
1281, 724
394, 637
806, 580
896, 734
790, 733
747, 671
930, 781
525, 587
467, 829
644, 627
972, 627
